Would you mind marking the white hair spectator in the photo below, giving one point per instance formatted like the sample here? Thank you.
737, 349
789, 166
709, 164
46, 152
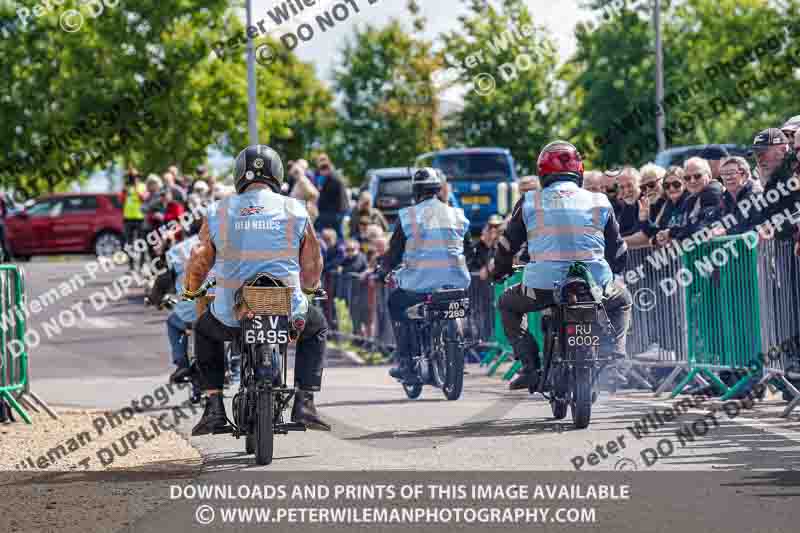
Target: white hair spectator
698, 162
651, 170
632, 172
155, 181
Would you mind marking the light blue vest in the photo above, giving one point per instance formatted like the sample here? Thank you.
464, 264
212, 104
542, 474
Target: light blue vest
565, 224
434, 254
256, 231
177, 257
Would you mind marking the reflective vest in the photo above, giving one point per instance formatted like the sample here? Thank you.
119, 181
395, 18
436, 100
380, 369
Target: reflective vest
565, 223
434, 254
256, 231
177, 258
132, 209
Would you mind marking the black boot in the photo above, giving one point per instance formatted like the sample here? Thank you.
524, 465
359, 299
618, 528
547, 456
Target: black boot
527, 351
214, 416
404, 371
305, 412
182, 374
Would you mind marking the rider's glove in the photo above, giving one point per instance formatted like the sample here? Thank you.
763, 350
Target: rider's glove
191, 295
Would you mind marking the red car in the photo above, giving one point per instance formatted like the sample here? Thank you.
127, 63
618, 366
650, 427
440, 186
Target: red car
66, 223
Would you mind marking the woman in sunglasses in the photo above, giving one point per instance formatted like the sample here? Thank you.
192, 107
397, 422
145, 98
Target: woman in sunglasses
738, 182
673, 212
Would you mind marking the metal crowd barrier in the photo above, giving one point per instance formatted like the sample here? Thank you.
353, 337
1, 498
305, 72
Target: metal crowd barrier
710, 310
14, 353
368, 322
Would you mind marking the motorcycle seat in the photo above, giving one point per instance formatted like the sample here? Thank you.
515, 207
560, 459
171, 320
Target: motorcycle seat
448, 295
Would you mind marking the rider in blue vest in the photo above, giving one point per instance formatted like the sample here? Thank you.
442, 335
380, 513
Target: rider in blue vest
257, 231
428, 246
561, 224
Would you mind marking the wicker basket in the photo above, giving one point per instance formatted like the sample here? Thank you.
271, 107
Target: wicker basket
268, 300
202, 303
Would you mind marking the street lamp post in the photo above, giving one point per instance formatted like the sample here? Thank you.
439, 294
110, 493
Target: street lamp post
660, 112
252, 122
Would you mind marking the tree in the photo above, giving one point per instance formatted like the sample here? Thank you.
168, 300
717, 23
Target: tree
389, 109
509, 67
140, 84
714, 72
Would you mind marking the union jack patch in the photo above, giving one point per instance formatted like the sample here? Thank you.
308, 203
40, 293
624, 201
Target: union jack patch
252, 210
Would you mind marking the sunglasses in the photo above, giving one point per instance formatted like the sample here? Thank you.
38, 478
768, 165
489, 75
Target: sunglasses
731, 174
673, 185
694, 177
612, 190
647, 186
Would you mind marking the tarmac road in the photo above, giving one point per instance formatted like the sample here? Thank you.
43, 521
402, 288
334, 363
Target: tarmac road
120, 353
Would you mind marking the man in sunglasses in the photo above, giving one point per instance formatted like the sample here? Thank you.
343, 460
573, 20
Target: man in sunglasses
777, 167
703, 203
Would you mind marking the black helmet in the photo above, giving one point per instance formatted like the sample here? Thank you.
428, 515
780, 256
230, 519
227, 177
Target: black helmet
427, 181
258, 163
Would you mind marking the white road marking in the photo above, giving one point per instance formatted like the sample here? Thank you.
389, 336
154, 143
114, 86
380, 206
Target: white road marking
96, 322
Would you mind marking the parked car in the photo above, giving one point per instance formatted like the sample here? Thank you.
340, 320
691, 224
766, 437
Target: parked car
391, 191
7, 209
66, 223
484, 180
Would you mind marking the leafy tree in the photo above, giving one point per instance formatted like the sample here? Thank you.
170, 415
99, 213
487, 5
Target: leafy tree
389, 107
708, 98
140, 84
509, 66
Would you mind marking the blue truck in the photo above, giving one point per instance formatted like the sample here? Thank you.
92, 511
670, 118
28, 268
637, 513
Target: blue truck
484, 180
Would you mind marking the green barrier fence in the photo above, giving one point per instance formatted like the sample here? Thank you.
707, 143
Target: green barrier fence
722, 309
14, 355
503, 351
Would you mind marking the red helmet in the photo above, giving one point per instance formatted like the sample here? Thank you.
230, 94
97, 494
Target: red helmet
559, 158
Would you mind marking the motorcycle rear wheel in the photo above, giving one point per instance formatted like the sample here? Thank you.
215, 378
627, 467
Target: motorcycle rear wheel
264, 436
582, 397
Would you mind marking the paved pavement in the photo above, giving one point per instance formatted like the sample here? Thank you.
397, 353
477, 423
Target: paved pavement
120, 354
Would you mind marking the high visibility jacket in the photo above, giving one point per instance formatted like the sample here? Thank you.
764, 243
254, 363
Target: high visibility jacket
565, 224
434, 254
256, 231
177, 256
132, 210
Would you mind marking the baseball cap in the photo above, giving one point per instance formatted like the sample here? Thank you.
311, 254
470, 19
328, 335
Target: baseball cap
714, 151
791, 125
495, 220
769, 137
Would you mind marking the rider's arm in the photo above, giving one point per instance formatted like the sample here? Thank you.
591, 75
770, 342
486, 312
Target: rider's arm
616, 253
510, 242
201, 260
310, 260
397, 245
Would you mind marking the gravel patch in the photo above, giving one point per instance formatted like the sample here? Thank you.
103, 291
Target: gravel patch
85, 479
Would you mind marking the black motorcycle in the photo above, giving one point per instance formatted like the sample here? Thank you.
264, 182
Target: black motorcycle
439, 345
572, 330
267, 328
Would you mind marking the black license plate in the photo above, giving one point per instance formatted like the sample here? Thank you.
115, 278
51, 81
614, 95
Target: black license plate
451, 310
267, 329
581, 335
